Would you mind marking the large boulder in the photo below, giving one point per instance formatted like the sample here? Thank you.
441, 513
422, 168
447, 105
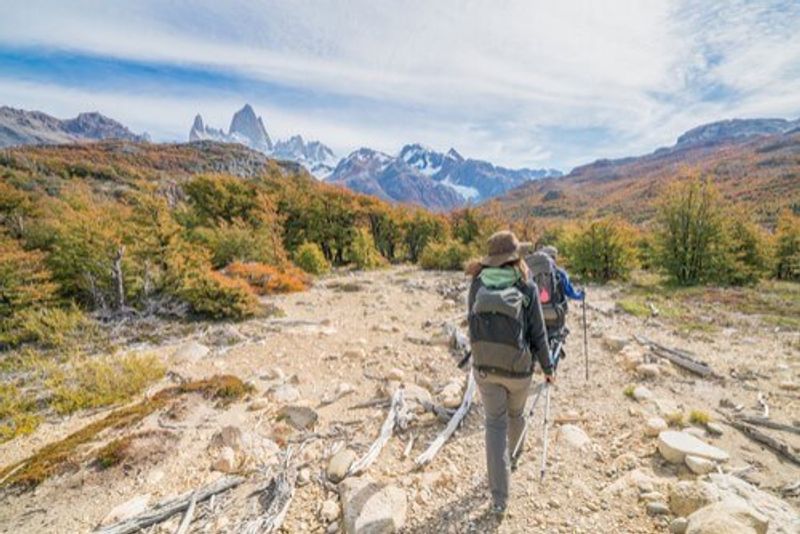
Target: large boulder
674, 446
730, 516
372, 508
687, 496
784, 519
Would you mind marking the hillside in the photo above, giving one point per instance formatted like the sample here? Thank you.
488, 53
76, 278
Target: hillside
761, 171
21, 127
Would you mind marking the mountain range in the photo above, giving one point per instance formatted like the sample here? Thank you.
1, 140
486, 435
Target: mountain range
419, 175
248, 129
754, 162
21, 127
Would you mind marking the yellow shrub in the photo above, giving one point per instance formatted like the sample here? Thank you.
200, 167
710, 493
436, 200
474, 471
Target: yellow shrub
219, 297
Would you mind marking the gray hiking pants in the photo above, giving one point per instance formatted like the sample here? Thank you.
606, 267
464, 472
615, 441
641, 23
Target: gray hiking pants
504, 404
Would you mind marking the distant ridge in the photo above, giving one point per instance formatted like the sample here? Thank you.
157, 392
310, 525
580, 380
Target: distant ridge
21, 127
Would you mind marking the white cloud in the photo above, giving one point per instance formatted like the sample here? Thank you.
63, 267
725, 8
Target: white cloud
491, 78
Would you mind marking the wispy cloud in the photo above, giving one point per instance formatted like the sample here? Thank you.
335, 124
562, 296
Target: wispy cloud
520, 82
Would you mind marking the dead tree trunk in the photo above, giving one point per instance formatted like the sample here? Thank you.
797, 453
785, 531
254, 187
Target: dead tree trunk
119, 281
451, 427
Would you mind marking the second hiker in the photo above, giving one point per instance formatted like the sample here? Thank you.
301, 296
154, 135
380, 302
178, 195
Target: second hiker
507, 335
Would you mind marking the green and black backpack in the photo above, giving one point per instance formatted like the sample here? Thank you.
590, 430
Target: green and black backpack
498, 323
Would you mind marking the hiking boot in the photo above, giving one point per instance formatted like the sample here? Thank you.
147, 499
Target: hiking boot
499, 511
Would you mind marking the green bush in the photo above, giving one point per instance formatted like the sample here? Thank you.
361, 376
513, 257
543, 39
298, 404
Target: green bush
691, 239
787, 237
214, 295
232, 242
602, 250
444, 256
363, 253
310, 258
50, 327
748, 256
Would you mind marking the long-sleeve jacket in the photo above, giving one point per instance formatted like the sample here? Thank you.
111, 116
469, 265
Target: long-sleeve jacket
566, 284
536, 332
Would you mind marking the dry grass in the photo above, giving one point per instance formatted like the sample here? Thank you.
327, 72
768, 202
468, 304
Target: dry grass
699, 417
60, 455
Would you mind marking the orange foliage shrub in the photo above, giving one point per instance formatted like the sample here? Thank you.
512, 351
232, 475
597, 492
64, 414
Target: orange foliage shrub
268, 280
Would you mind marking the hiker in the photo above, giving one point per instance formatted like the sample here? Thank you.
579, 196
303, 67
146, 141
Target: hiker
507, 331
566, 285
554, 288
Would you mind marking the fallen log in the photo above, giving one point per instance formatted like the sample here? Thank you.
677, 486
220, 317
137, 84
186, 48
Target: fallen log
169, 507
769, 423
183, 528
777, 446
397, 416
681, 358
275, 500
426, 456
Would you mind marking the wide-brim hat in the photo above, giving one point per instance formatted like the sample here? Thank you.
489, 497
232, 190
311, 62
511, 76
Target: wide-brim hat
503, 247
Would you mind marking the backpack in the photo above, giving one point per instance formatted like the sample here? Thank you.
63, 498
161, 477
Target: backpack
551, 292
498, 329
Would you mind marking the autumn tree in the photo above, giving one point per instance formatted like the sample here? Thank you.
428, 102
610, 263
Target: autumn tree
787, 250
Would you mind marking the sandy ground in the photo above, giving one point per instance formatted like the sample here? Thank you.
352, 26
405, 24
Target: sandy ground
357, 334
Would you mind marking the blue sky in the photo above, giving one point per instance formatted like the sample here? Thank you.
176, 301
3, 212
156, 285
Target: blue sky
518, 82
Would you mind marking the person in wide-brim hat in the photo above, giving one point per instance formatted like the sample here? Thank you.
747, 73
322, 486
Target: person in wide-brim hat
503, 248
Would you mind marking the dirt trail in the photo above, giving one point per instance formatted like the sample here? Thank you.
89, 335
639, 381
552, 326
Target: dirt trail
361, 329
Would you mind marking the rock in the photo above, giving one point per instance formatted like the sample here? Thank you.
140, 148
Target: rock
285, 393
699, 466
372, 508
648, 370
652, 496
155, 476
304, 476
257, 405
344, 388
615, 343
191, 352
300, 417
339, 464
329, 511
657, 508
450, 395
126, 510
333, 528
641, 393
695, 431
276, 373
355, 354
714, 429
396, 374
730, 516
225, 461
414, 395
674, 446
230, 436
678, 525
687, 496
575, 436
654, 426
790, 385
784, 519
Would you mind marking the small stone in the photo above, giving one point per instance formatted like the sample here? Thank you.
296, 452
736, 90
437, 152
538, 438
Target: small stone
654, 426
300, 417
648, 370
674, 446
355, 354
329, 511
396, 375
333, 528
257, 405
451, 394
191, 352
229, 436
304, 476
128, 509
275, 373
286, 393
615, 343
339, 464
641, 393
699, 466
575, 436
657, 508
155, 476
226, 460
651, 496
678, 525
715, 429
790, 385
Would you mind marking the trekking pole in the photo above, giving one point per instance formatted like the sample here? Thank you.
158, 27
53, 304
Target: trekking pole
528, 417
585, 339
544, 438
